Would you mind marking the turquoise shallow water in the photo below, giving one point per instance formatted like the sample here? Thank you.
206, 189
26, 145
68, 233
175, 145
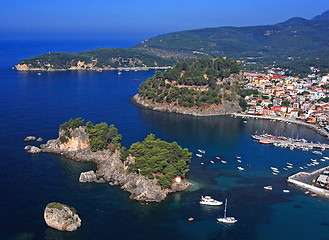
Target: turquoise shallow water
32, 104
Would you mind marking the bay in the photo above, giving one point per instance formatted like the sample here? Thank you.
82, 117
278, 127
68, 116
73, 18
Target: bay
32, 104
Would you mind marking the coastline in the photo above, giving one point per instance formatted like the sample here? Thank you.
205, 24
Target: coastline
24, 67
137, 101
225, 109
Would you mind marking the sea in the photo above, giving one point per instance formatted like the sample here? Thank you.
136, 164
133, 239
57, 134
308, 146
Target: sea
36, 104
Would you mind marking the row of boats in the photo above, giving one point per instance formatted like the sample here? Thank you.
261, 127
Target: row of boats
314, 162
208, 200
291, 143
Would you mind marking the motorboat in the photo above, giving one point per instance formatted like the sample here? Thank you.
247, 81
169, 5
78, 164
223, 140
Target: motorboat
223, 161
198, 155
240, 168
212, 162
274, 169
207, 200
226, 219
268, 188
201, 151
285, 191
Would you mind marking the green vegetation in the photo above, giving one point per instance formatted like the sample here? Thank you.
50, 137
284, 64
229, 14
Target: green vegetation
100, 57
102, 136
159, 159
196, 82
296, 38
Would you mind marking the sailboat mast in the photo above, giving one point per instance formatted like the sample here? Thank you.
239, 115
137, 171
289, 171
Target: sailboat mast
225, 208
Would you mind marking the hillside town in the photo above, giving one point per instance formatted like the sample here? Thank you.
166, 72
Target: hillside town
273, 94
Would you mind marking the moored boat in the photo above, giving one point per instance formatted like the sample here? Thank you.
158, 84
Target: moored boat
226, 219
207, 200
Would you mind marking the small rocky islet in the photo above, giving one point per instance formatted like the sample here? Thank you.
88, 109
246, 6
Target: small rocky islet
146, 181
61, 217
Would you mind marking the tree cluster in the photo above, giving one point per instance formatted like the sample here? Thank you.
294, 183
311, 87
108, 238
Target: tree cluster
102, 136
197, 82
155, 158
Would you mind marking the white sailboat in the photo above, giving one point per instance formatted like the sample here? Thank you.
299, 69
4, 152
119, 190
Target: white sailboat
226, 219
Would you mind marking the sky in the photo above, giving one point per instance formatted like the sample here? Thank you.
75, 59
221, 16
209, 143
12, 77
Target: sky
141, 19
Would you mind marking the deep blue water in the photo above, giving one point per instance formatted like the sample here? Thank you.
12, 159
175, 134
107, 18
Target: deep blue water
35, 105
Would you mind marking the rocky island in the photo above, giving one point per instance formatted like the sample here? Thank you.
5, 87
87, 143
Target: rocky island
147, 169
199, 87
61, 217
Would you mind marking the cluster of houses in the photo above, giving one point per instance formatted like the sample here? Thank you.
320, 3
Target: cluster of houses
290, 97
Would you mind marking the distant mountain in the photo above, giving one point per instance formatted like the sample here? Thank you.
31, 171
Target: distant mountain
296, 38
323, 16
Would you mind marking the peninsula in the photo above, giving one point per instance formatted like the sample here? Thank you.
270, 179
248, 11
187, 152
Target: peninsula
149, 170
199, 87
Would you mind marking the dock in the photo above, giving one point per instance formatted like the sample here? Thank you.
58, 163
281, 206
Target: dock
305, 181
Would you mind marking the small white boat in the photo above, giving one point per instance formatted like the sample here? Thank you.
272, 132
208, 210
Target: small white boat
244, 121
268, 188
198, 155
274, 168
223, 161
327, 158
207, 200
201, 151
202, 163
119, 72
238, 157
323, 160
226, 219
212, 162
274, 173
239, 160
288, 163
39, 74
289, 166
285, 191
317, 152
285, 169
313, 160
301, 167
218, 158
240, 168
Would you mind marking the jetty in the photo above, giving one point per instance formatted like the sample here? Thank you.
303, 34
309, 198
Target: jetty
310, 181
291, 143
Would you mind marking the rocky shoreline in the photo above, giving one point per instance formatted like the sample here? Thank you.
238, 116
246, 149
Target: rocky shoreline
110, 169
225, 109
25, 67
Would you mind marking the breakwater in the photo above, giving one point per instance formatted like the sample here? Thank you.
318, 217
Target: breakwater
305, 181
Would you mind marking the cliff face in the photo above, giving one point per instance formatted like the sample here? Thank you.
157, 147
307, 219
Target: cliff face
110, 168
213, 110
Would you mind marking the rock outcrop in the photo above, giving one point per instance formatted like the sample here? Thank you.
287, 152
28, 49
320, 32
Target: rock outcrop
30, 138
61, 217
34, 149
214, 110
89, 176
109, 167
